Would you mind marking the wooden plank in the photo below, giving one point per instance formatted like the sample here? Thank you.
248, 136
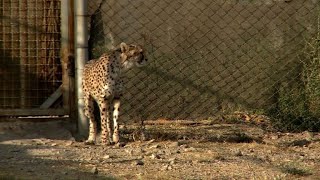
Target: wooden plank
33, 112
53, 98
34, 119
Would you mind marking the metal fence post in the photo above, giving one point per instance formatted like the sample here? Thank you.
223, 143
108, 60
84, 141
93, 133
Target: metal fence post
81, 49
65, 51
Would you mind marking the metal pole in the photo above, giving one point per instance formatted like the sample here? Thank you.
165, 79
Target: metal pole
81, 34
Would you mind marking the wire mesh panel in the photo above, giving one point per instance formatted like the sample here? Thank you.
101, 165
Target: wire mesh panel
30, 67
216, 57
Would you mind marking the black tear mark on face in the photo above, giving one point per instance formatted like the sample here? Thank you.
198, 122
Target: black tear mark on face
143, 57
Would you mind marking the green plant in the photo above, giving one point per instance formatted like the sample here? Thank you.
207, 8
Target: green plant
294, 170
298, 101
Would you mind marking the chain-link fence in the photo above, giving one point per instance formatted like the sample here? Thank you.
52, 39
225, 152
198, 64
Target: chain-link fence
209, 59
30, 66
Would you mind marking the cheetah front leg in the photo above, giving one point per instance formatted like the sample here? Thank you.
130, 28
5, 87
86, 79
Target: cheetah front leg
89, 112
106, 131
116, 109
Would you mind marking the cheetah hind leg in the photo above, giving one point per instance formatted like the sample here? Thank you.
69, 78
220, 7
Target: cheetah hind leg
89, 112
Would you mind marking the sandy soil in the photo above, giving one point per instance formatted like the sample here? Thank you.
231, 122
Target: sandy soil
173, 150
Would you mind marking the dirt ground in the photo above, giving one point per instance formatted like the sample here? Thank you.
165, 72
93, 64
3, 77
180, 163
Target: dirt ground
173, 150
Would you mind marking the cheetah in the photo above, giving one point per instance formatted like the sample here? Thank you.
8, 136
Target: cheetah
102, 82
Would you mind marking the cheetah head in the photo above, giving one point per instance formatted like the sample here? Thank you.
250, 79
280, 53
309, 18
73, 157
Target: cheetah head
132, 55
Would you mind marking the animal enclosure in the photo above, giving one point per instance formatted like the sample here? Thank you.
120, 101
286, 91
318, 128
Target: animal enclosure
221, 59
216, 58
230, 91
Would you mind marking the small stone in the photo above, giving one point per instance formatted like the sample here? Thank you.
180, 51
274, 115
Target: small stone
94, 170
195, 161
238, 153
106, 157
167, 167
174, 144
274, 136
151, 141
189, 149
185, 146
309, 136
139, 163
69, 143
301, 143
155, 156
54, 144
162, 152
172, 160
156, 146
129, 151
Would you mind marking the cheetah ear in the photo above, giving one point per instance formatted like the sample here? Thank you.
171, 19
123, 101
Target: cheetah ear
124, 47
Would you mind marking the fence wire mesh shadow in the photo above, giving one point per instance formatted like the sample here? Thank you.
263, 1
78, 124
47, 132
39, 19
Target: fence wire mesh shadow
211, 59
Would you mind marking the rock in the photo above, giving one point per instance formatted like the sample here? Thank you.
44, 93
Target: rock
238, 153
151, 141
195, 161
155, 156
156, 146
129, 151
274, 136
185, 146
69, 143
172, 160
54, 144
309, 135
106, 157
94, 170
174, 144
167, 167
139, 163
189, 149
300, 143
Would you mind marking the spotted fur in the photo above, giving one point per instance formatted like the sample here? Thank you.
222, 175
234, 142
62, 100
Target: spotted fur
102, 82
